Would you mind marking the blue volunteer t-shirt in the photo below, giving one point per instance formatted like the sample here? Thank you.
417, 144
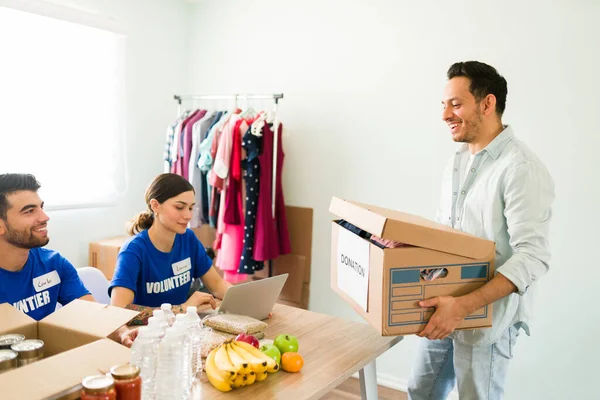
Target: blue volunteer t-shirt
46, 278
157, 277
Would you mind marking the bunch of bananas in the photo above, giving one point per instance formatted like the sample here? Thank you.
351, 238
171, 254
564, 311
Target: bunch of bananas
235, 364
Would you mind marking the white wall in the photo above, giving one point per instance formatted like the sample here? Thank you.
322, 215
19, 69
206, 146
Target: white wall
363, 83
156, 67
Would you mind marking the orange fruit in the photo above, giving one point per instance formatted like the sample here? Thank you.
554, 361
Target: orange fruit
292, 362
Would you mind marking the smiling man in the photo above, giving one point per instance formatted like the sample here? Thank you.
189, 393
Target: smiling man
496, 188
33, 279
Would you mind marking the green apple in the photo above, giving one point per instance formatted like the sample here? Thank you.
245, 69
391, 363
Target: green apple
271, 351
286, 343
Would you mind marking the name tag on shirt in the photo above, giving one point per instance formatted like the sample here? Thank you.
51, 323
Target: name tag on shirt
182, 266
46, 281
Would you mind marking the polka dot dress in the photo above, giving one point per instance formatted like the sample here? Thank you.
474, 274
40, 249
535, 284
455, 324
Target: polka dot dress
252, 145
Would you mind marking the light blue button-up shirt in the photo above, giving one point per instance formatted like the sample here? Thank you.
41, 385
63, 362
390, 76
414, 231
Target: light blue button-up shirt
504, 195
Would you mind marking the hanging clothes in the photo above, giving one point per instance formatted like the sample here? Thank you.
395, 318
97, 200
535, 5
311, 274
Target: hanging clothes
204, 163
188, 143
271, 238
234, 182
252, 145
173, 132
228, 159
199, 131
229, 236
177, 165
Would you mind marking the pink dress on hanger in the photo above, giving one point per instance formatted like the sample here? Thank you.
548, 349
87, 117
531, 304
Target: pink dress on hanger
231, 239
187, 144
271, 238
177, 167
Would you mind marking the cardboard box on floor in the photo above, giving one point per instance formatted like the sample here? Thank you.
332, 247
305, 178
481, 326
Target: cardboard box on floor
385, 285
75, 346
103, 254
296, 290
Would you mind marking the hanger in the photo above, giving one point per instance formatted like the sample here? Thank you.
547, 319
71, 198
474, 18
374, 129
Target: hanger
258, 124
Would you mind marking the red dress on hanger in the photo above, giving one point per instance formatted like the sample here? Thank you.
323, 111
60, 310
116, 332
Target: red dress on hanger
271, 238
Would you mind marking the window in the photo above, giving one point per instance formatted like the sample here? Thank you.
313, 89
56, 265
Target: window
61, 107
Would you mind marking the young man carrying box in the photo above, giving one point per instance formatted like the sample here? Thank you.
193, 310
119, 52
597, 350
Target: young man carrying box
495, 188
33, 279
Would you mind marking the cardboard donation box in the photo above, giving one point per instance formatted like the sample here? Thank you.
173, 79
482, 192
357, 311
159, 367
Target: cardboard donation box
103, 254
385, 285
75, 346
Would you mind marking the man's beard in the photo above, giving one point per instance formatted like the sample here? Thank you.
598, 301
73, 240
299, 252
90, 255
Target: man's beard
471, 127
24, 239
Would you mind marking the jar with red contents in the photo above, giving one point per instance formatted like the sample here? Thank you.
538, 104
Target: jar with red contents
98, 387
128, 381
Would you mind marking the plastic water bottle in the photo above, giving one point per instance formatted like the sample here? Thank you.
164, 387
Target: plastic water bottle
195, 331
168, 310
182, 324
158, 324
159, 314
144, 354
170, 384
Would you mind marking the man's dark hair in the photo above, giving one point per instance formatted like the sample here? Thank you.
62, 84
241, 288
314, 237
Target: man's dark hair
484, 80
11, 183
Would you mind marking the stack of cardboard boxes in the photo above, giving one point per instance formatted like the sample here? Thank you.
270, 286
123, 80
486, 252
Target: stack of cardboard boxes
75, 346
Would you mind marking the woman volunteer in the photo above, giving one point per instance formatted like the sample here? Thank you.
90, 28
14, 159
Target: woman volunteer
159, 263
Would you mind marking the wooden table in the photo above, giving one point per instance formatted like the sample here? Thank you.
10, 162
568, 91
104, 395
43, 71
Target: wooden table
333, 350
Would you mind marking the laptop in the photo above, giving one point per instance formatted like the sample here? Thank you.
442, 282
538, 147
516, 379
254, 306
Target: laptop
254, 299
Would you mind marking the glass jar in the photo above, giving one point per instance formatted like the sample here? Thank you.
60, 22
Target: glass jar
128, 381
8, 360
29, 351
98, 387
6, 341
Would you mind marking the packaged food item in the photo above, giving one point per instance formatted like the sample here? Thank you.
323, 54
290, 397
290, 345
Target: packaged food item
8, 360
235, 324
9, 339
210, 341
98, 387
29, 351
128, 382
258, 335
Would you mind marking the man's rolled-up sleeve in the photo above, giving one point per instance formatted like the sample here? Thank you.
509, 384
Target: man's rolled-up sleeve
528, 198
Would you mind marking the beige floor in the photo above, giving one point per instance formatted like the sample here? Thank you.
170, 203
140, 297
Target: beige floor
350, 390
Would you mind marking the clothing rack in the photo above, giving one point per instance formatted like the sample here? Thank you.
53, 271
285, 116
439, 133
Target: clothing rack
235, 97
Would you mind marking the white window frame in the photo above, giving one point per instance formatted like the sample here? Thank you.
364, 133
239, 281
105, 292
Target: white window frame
86, 18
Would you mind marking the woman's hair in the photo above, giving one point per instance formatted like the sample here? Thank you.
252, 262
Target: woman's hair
162, 188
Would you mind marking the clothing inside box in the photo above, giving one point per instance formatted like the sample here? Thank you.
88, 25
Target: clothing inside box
377, 241
427, 274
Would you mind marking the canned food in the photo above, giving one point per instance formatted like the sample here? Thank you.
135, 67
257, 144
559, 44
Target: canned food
8, 360
8, 340
29, 351
98, 387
